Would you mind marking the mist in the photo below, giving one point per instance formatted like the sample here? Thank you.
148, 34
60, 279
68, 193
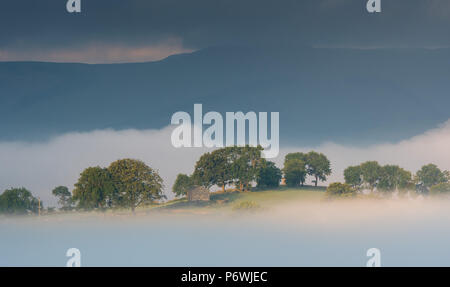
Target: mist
408, 232
41, 166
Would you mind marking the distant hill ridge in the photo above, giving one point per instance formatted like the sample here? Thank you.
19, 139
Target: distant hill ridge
343, 95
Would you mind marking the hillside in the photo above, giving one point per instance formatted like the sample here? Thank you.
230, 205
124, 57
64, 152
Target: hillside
230, 200
321, 94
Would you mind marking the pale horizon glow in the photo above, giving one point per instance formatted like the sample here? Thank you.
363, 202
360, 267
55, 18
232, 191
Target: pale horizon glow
98, 53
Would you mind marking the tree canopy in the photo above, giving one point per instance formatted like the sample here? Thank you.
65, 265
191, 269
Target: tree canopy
64, 197
18, 201
182, 184
269, 175
440, 188
94, 189
371, 175
393, 177
431, 175
135, 183
229, 165
214, 168
318, 166
294, 171
298, 165
353, 176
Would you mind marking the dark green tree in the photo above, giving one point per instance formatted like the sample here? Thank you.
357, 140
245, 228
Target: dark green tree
94, 189
18, 201
431, 175
294, 171
238, 165
246, 162
269, 175
182, 184
64, 197
136, 183
212, 169
318, 166
353, 176
296, 155
393, 177
371, 173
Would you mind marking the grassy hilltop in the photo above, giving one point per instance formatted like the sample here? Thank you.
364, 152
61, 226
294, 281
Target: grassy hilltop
232, 200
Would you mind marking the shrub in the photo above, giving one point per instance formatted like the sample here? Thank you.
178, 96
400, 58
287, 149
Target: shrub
439, 188
246, 205
338, 189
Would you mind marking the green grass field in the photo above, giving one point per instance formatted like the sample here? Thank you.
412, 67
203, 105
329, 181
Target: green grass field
225, 201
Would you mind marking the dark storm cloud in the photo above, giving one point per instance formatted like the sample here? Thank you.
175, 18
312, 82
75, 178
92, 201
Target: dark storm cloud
36, 25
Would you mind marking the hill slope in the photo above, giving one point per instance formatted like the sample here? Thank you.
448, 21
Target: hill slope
228, 201
321, 94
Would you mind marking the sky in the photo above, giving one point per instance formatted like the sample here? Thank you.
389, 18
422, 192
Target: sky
109, 31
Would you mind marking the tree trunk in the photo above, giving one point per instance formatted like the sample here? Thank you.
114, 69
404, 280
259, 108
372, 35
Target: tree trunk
317, 179
223, 187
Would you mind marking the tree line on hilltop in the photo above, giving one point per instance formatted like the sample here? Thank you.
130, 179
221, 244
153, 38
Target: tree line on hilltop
370, 176
241, 166
125, 183
130, 183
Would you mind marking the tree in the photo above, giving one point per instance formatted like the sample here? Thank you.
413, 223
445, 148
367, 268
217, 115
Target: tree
64, 197
318, 166
296, 155
269, 175
353, 176
228, 165
94, 189
431, 175
443, 187
18, 201
371, 172
294, 171
182, 184
204, 173
338, 189
246, 162
135, 183
213, 169
393, 177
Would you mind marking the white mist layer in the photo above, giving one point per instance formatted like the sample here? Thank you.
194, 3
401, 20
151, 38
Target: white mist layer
302, 232
42, 166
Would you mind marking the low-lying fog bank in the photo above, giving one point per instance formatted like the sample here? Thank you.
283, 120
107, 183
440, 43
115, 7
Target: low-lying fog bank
318, 233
